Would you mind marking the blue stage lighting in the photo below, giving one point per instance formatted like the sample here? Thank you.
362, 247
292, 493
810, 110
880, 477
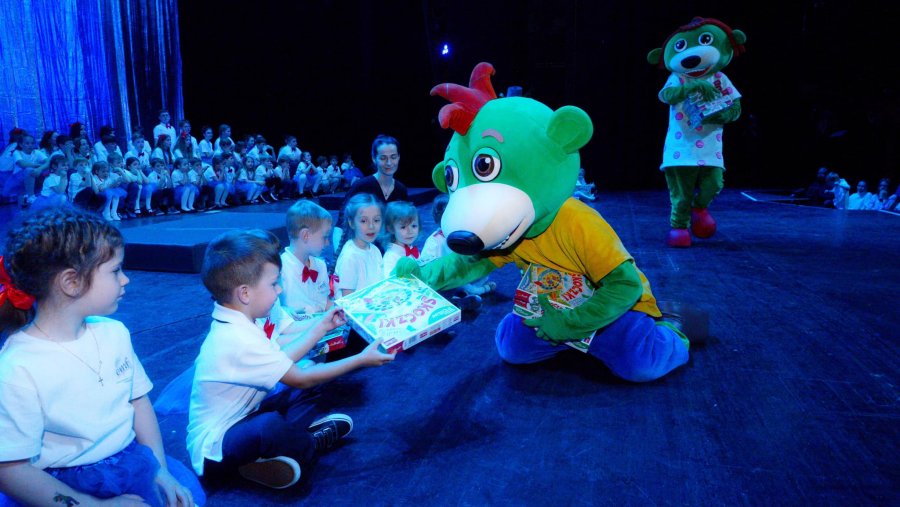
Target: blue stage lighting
445, 49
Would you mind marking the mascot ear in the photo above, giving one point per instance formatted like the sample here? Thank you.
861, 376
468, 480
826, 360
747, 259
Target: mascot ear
570, 127
654, 56
437, 176
739, 36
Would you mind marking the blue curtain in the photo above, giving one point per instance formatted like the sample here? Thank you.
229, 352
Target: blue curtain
98, 62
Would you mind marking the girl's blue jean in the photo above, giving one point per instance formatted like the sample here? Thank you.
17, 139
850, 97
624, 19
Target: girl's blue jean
634, 347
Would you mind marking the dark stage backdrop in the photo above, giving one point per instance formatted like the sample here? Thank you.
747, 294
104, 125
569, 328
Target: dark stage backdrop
337, 73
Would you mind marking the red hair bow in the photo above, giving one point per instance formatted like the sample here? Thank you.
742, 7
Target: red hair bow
19, 298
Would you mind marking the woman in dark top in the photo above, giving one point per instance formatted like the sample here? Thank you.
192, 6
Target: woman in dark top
386, 159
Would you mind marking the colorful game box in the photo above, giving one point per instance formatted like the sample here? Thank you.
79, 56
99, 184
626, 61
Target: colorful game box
333, 340
697, 109
565, 290
401, 311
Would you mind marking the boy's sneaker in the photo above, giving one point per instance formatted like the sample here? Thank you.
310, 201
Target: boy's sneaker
277, 473
329, 429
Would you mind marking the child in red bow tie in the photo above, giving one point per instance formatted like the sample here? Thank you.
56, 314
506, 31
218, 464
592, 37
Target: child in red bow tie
401, 227
304, 275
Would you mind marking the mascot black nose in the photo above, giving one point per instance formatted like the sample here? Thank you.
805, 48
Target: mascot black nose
465, 242
690, 62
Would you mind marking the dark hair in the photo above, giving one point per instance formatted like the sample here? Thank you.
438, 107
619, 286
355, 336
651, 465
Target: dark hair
289, 138
45, 142
217, 160
131, 160
75, 129
382, 140
56, 159
62, 139
160, 139
105, 130
107, 139
438, 207
21, 139
48, 242
237, 258
223, 127
351, 207
204, 128
321, 159
182, 123
98, 165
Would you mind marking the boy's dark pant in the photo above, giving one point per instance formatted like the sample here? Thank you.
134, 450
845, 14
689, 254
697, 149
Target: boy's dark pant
278, 428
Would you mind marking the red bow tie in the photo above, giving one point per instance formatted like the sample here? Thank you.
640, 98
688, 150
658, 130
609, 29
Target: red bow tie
412, 251
269, 328
309, 273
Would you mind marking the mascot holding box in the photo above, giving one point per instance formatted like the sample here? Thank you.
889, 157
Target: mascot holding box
510, 170
701, 100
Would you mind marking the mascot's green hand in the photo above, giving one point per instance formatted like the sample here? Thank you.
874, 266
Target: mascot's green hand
706, 90
552, 325
407, 268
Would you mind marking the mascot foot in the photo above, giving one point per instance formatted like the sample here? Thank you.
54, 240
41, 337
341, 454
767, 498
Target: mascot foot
702, 223
679, 238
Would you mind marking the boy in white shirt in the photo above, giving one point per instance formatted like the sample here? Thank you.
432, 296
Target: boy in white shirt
238, 419
304, 275
165, 127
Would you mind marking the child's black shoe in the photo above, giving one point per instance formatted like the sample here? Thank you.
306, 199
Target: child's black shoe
328, 430
277, 473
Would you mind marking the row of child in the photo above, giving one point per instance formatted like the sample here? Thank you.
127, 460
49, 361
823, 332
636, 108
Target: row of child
250, 409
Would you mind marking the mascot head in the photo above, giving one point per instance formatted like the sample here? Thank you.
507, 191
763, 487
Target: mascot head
700, 48
510, 164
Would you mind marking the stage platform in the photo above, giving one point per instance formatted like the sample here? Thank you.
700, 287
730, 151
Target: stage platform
176, 243
792, 400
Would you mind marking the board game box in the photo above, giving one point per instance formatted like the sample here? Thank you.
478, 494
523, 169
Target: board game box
400, 311
333, 340
697, 109
565, 291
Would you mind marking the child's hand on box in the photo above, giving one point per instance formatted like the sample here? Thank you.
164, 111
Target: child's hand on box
333, 318
373, 356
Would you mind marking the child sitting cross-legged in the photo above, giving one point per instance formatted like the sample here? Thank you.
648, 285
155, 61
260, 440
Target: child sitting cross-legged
401, 229
250, 409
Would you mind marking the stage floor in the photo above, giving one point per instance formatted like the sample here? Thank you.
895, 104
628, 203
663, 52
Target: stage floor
793, 400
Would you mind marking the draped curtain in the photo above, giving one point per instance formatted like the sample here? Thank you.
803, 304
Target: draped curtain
98, 62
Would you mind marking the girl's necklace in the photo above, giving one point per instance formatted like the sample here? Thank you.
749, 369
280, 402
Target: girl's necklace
76, 356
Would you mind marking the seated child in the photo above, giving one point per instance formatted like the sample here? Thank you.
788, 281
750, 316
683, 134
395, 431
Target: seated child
359, 263
53, 189
436, 246
238, 421
583, 190
304, 275
76, 420
80, 191
401, 226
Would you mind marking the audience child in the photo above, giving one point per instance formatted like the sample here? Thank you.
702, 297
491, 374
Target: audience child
162, 192
882, 199
401, 229
260, 148
189, 139
194, 175
308, 177
436, 246
83, 149
273, 177
100, 147
292, 153
66, 146
80, 189
862, 199
8, 165
246, 184
47, 144
137, 187
79, 130
283, 171
839, 191
224, 133
330, 178
105, 185
351, 172
205, 146
583, 190
183, 147
238, 421
53, 189
118, 180
360, 263
29, 164
77, 424
263, 176
184, 191
163, 151
304, 275
164, 127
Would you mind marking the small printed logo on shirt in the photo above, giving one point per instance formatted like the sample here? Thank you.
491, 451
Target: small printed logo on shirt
123, 366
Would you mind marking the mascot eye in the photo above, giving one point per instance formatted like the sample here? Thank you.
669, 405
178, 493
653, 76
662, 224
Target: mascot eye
486, 164
705, 39
451, 175
680, 45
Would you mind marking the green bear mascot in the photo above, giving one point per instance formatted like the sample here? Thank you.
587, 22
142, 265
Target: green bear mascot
510, 170
701, 100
